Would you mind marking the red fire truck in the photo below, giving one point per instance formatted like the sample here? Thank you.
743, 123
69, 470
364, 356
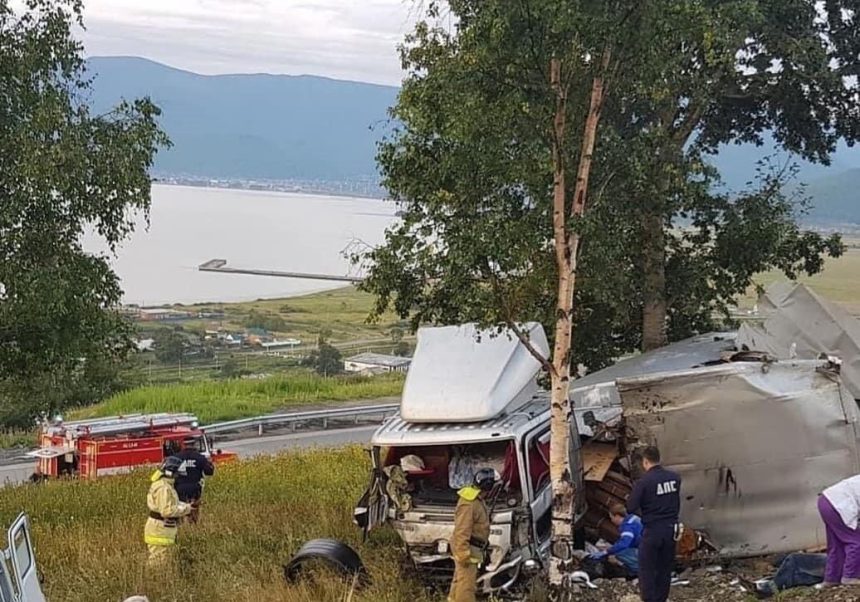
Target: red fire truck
102, 446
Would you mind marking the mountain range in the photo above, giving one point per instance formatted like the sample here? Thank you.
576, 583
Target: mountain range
284, 127
253, 126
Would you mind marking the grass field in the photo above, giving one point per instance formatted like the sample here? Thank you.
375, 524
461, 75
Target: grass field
342, 311
88, 535
218, 400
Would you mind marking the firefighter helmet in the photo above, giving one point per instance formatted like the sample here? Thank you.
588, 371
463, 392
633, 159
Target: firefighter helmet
486, 479
171, 466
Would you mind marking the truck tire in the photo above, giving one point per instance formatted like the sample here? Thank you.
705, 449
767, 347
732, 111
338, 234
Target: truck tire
336, 554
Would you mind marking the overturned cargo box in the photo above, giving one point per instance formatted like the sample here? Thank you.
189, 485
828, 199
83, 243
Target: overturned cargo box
755, 443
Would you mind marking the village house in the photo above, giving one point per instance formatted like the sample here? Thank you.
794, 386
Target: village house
374, 363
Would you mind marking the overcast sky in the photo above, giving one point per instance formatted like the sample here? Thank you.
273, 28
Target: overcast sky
345, 39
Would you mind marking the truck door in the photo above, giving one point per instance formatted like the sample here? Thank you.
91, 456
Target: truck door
7, 591
25, 579
576, 468
538, 488
371, 511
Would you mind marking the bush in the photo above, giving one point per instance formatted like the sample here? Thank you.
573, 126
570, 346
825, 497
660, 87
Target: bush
169, 346
231, 369
291, 309
265, 321
328, 362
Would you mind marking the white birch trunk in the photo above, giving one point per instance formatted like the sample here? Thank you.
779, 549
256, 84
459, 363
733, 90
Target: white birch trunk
566, 247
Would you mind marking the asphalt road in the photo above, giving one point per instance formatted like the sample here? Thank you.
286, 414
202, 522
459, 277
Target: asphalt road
246, 448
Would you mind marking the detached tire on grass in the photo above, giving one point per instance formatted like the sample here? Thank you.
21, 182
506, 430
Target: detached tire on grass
335, 554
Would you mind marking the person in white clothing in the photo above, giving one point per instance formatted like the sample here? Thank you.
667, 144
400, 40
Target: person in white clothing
839, 506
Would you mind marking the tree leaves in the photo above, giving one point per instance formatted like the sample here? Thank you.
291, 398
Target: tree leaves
62, 171
470, 160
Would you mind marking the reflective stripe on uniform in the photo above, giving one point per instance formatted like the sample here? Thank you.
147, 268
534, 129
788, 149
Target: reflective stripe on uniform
155, 540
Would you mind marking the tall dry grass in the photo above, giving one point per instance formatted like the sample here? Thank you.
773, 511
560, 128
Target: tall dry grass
256, 514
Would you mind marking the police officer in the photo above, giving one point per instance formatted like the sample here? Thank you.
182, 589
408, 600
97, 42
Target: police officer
471, 533
189, 481
657, 498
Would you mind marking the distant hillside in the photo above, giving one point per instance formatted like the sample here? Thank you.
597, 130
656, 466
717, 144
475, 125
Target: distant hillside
253, 126
836, 197
834, 190
281, 127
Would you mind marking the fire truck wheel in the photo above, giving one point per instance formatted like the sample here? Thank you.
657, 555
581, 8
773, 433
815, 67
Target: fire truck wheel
38, 478
331, 553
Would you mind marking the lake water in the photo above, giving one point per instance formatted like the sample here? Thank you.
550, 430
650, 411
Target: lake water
263, 230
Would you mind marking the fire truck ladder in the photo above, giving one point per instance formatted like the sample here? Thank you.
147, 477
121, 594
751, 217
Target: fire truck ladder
116, 425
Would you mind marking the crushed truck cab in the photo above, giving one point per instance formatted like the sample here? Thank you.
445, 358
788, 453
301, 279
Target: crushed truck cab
470, 401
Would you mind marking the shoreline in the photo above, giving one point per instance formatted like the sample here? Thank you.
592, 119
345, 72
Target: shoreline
250, 299
316, 192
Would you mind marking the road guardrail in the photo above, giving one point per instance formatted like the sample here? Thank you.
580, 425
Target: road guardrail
292, 418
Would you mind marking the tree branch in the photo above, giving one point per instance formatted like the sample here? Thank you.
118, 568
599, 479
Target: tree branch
589, 137
685, 129
511, 324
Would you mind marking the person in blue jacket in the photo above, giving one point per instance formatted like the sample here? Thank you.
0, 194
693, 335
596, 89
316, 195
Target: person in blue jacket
626, 549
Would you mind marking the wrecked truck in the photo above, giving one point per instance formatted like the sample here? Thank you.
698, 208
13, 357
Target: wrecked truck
755, 440
470, 401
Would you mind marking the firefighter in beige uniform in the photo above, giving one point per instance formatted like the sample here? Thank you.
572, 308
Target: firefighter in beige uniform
164, 510
471, 532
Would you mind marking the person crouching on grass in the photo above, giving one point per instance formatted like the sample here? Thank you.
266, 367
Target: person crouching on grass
625, 551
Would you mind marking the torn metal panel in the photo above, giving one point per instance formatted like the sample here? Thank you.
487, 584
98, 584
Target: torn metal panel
596, 392
754, 443
799, 323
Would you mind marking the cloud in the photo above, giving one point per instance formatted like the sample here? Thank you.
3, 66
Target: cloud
346, 39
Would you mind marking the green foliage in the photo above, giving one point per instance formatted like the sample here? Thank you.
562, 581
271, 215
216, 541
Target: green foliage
470, 161
255, 516
265, 321
328, 360
169, 345
62, 171
231, 369
217, 400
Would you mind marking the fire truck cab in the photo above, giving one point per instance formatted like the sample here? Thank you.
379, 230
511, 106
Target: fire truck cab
115, 444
